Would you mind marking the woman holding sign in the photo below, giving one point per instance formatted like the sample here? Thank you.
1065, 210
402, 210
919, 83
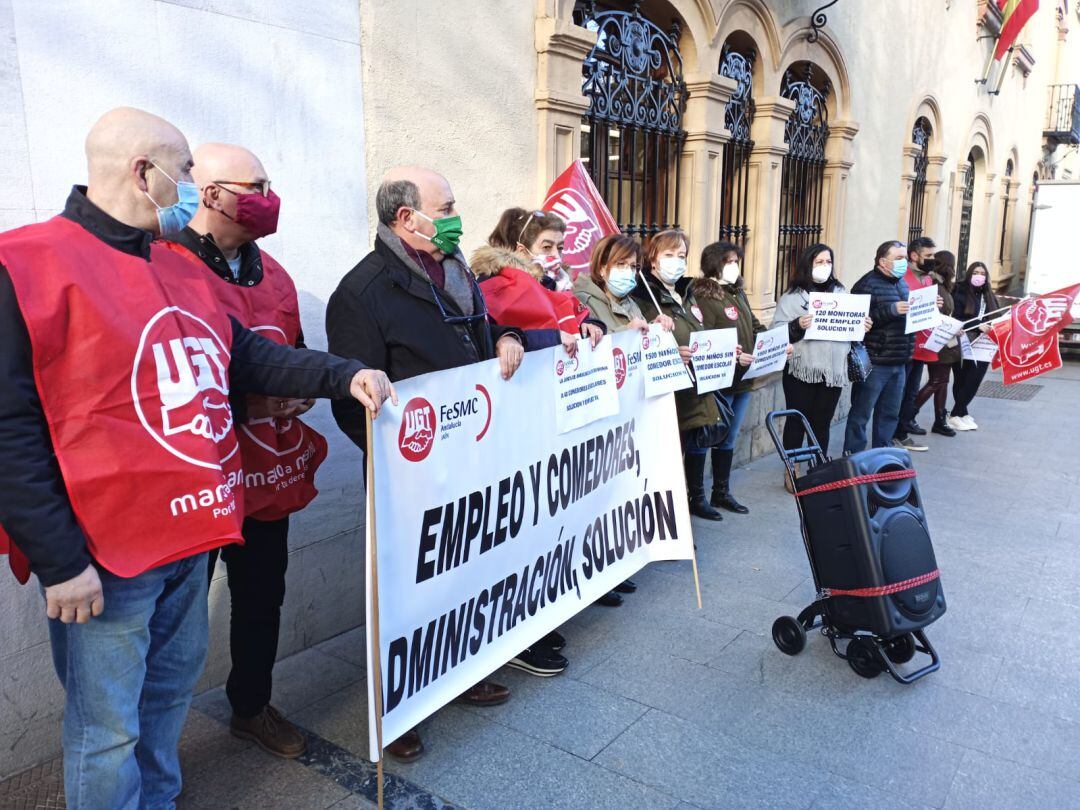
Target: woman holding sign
972, 299
817, 372
939, 364
699, 416
606, 290
723, 305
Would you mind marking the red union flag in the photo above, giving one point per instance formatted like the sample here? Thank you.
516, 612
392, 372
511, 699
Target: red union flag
574, 198
20, 566
1028, 339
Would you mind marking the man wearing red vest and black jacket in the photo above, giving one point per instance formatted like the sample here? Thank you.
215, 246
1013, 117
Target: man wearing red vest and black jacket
919, 252
122, 467
237, 206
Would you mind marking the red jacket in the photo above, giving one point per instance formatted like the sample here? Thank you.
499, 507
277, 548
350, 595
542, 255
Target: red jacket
516, 298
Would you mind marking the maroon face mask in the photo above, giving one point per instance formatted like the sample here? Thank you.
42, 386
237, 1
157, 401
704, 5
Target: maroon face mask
255, 213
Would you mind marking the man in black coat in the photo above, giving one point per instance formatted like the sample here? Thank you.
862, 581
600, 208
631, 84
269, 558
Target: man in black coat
414, 304
889, 349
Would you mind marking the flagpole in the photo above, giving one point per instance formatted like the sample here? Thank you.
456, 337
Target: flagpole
659, 312
373, 563
1004, 70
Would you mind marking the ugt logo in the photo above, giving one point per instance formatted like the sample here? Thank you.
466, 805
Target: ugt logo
417, 433
582, 225
180, 388
817, 303
561, 367
619, 356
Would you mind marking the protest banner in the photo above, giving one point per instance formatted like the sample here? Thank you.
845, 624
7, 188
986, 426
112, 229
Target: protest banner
487, 529
585, 385
770, 353
574, 197
983, 349
713, 358
837, 316
664, 369
922, 309
1028, 339
941, 334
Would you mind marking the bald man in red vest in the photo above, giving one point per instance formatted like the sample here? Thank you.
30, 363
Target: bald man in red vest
122, 467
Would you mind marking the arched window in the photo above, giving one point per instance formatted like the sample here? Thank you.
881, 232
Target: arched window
967, 202
632, 134
801, 184
1005, 212
737, 64
920, 135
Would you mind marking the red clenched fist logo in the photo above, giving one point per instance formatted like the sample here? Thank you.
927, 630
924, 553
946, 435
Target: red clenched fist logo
1034, 327
180, 388
417, 433
620, 367
645, 342
732, 313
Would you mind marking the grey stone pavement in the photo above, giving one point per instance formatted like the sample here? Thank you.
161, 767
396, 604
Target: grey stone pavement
666, 706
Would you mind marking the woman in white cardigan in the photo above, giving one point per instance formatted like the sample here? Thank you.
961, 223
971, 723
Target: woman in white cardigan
817, 371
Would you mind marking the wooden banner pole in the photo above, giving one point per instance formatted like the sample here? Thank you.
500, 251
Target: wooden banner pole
373, 562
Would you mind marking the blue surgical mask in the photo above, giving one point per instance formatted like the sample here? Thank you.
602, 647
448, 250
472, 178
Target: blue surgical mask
175, 218
621, 281
899, 267
672, 268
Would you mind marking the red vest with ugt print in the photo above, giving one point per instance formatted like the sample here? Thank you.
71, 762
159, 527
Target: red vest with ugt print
131, 361
280, 455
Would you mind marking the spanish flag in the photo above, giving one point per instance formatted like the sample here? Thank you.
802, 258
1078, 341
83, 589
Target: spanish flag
1017, 13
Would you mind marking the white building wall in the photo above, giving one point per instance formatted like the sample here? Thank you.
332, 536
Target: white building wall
280, 77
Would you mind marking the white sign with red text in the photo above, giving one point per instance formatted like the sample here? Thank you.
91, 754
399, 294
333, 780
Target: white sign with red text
770, 352
923, 312
837, 316
664, 369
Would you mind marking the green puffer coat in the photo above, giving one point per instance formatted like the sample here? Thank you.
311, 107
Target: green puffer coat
724, 306
694, 410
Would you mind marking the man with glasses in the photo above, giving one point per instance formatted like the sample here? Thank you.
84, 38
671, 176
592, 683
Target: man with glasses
412, 306
236, 207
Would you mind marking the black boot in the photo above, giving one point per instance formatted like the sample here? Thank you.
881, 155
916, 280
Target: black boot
941, 424
694, 464
721, 477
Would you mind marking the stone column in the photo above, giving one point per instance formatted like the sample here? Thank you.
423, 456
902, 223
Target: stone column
839, 158
984, 245
1010, 190
932, 218
561, 47
701, 160
763, 206
907, 182
956, 205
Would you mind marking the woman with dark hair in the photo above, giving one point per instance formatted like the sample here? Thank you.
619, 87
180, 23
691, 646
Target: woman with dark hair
664, 268
723, 304
939, 365
972, 298
817, 372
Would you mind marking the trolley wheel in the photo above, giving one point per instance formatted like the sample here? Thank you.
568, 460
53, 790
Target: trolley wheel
900, 650
862, 656
788, 635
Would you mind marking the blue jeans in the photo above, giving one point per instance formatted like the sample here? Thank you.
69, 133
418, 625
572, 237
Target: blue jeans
739, 403
129, 675
881, 394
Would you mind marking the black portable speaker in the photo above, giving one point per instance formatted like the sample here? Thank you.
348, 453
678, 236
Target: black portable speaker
869, 536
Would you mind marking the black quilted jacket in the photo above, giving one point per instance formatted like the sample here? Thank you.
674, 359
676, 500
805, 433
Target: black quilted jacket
886, 342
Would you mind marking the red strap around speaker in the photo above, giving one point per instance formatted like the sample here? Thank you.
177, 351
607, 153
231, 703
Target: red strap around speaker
883, 590
895, 475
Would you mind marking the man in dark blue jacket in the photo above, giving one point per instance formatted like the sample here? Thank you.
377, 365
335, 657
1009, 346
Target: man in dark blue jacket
889, 349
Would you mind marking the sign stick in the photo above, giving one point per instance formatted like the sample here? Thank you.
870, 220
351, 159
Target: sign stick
373, 562
659, 312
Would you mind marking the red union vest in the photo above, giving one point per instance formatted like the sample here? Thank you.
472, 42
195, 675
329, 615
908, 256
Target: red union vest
131, 361
280, 457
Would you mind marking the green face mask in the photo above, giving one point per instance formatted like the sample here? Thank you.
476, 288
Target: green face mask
447, 232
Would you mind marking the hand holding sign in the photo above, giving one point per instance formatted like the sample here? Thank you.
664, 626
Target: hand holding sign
837, 316
664, 368
922, 310
770, 353
942, 334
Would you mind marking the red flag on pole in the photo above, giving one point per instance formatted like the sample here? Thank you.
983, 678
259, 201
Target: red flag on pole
20, 566
1028, 339
574, 198
1016, 14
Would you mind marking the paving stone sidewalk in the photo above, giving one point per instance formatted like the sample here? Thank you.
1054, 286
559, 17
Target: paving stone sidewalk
665, 706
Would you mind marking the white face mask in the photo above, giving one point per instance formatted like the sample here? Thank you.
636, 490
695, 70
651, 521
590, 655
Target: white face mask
672, 268
821, 273
730, 273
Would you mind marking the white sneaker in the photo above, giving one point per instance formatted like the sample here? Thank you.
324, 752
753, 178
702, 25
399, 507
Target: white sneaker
957, 423
969, 422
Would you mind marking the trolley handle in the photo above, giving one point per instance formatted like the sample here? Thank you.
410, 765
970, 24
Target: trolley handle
812, 451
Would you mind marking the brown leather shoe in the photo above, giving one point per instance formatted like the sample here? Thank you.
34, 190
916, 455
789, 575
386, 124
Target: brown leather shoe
485, 693
271, 731
406, 748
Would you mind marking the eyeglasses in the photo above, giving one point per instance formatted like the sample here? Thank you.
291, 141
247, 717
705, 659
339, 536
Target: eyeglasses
262, 186
462, 319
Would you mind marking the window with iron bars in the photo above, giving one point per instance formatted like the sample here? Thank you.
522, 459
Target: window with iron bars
920, 135
967, 203
802, 181
735, 168
632, 134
